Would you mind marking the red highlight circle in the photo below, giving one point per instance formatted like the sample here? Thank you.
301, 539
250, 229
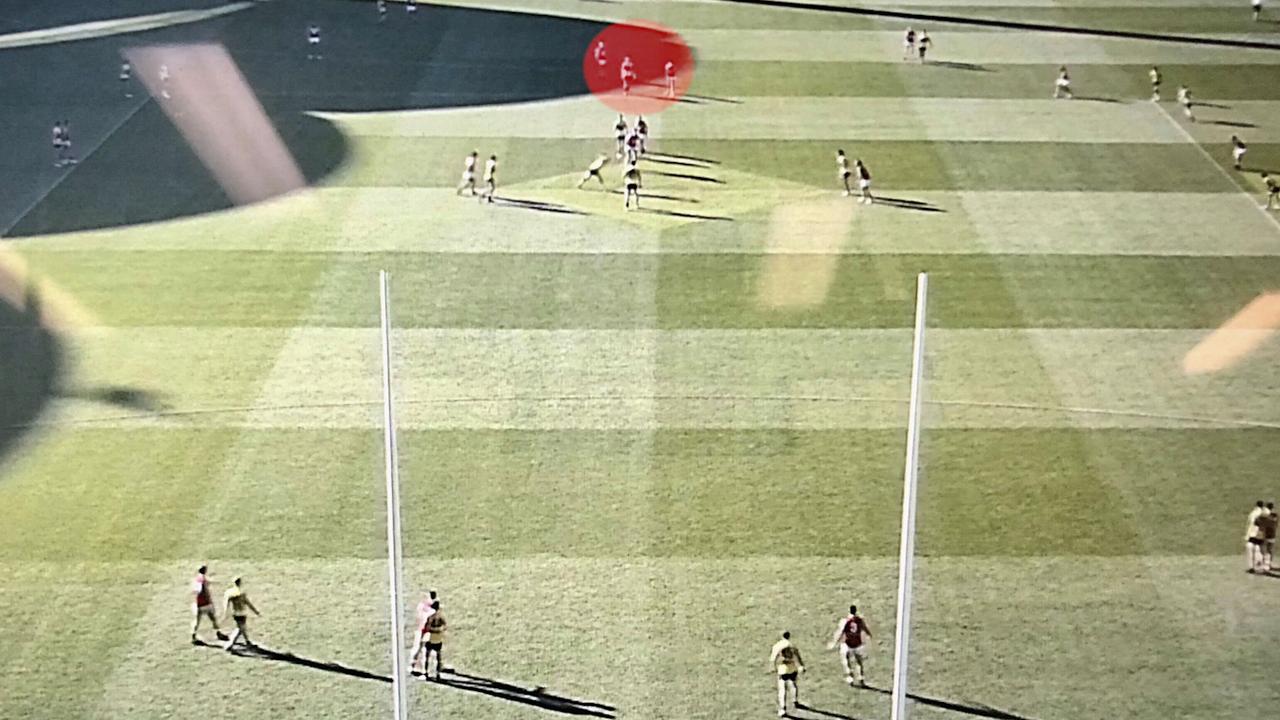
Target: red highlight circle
638, 67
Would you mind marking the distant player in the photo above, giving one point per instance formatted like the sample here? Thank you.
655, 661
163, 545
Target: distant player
633, 147
1273, 192
69, 156
1184, 97
411, 7
1268, 524
1238, 149
787, 663
1252, 537
163, 74
382, 10
620, 135
435, 627
126, 75
490, 178
1154, 73
313, 42
631, 186
469, 174
909, 44
599, 54
1062, 86
59, 156
1257, 10
864, 182
923, 44
669, 70
425, 611
849, 637
627, 74
843, 172
238, 607
202, 605
593, 171
642, 133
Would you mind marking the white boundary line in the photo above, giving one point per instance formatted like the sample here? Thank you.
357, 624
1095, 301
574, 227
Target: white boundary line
44, 195
1243, 191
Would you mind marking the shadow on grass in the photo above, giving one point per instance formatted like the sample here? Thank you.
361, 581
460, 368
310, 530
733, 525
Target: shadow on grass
974, 709
669, 161
674, 156
1229, 123
536, 696
257, 652
908, 204
711, 98
683, 176
538, 205
1101, 99
656, 196
954, 65
686, 215
809, 710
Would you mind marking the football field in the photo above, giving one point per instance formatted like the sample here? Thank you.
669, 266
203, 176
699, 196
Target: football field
636, 446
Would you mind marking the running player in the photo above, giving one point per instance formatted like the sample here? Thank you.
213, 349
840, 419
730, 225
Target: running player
923, 44
669, 70
1273, 192
627, 74
593, 171
203, 606
1252, 541
238, 606
469, 174
382, 10
642, 133
620, 135
435, 627
1238, 149
490, 178
787, 663
843, 172
1155, 83
1184, 97
126, 74
631, 186
313, 42
864, 183
849, 636
425, 611
909, 44
1062, 86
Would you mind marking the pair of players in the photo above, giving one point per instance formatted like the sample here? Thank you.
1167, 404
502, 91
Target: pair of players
850, 637
864, 177
430, 639
913, 45
469, 177
236, 603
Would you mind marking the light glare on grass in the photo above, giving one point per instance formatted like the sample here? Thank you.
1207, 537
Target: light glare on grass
1238, 337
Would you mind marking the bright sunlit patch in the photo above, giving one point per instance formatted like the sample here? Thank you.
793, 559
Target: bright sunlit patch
802, 255
115, 26
1244, 333
210, 102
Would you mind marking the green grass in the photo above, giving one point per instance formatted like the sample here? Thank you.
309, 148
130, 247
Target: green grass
636, 446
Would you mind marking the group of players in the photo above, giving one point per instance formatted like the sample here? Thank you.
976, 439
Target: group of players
236, 604
850, 637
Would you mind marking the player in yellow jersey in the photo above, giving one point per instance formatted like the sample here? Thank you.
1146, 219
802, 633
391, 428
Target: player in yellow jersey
788, 664
238, 606
435, 627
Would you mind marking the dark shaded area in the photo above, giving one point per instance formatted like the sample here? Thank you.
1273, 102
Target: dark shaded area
687, 215
537, 205
908, 204
261, 653
960, 65
536, 696
145, 171
809, 711
683, 176
656, 196
1011, 24
674, 156
122, 397
1229, 123
974, 709
32, 361
1099, 98
666, 161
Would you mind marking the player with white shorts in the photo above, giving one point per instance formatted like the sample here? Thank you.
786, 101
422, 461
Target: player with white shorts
864, 182
1238, 149
469, 173
593, 170
1062, 86
852, 647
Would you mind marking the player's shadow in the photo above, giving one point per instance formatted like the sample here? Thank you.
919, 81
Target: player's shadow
538, 205
1101, 99
535, 696
657, 196
671, 161
685, 215
805, 710
908, 204
685, 176
257, 652
675, 156
1229, 123
974, 709
954, 65
1216, 106
128, 398
712, 98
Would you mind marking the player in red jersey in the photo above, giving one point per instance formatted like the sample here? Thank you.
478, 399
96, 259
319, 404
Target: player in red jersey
849, 636
425, 611
203, 605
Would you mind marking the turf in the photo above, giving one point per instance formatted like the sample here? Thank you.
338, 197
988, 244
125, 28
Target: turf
635, 446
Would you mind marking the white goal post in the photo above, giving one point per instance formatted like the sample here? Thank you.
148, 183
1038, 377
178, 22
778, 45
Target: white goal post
394, 565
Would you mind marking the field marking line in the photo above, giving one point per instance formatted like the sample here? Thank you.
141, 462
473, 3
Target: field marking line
1242, 189
43, 196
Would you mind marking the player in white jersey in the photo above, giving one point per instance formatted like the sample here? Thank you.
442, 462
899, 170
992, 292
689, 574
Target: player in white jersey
1184, 98
864, 182
469, 173
843, 172
620, 135
382, 10
627, 74
909, 44
1154, 74
69, 157
313, 42
1062, 86
163, 74
631, 186
490, 178
126, 74
59, 155
411, 7
1238, 149
593, 170
669, 70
